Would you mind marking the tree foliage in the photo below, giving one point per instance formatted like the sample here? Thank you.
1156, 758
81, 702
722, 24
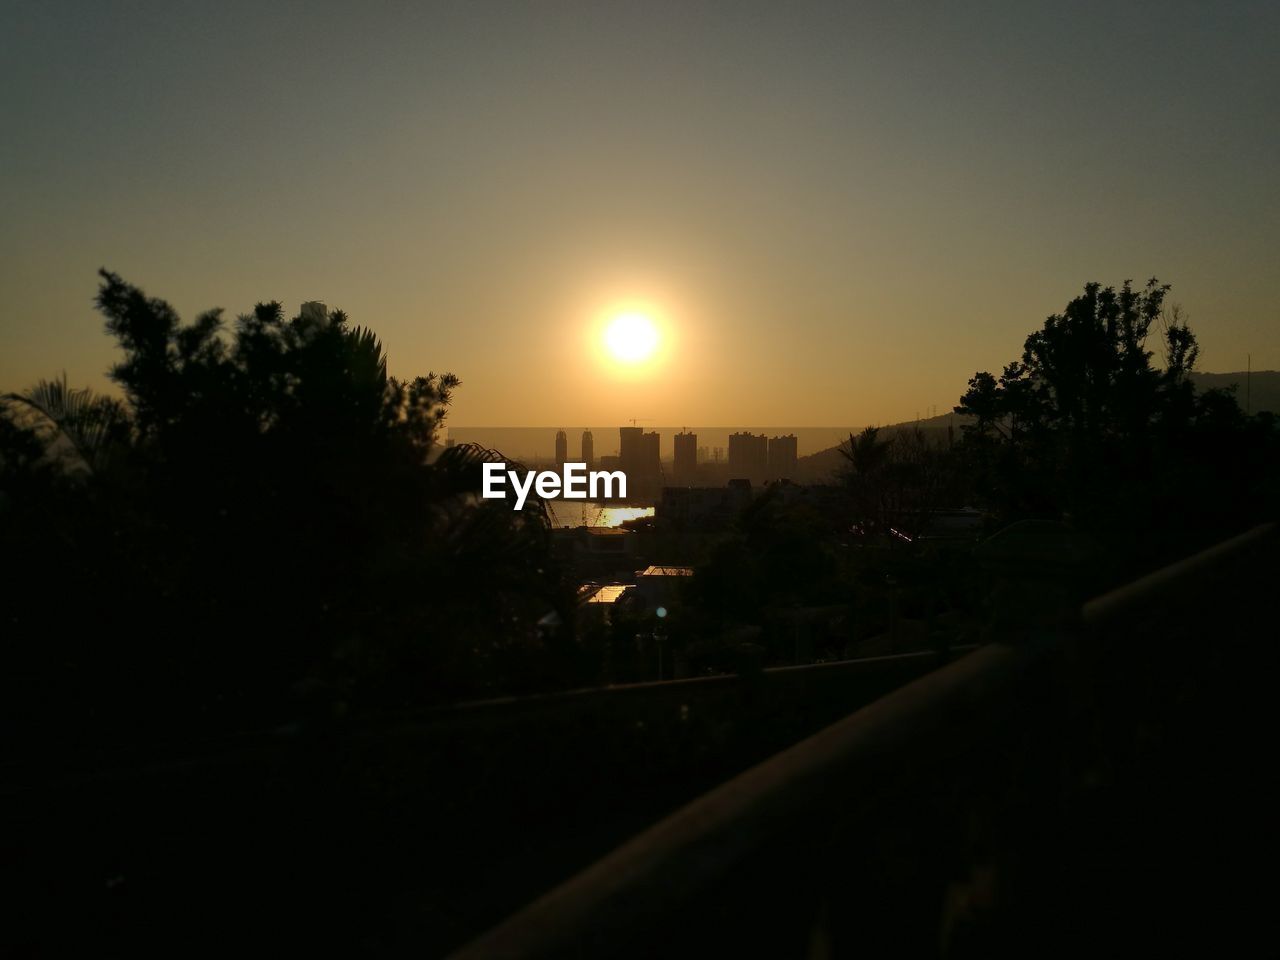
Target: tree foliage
73, 422
265, 505
1084, 426
1087, 372
894, 482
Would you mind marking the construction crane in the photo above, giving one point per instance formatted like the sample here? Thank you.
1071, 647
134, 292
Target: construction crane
635, 420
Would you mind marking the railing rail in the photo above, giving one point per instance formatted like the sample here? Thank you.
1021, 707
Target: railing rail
652, 892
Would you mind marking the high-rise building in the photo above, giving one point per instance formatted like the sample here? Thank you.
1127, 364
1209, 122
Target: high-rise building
629, 449
748, 456
782, 457
562, 446
588, 449
640, 456
651, 450
686, 462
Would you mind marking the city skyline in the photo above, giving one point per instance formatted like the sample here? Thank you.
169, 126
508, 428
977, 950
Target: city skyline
711, 443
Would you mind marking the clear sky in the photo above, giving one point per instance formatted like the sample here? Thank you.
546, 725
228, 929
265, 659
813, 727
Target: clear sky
837, 212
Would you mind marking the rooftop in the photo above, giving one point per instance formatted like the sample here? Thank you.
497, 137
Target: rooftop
609, 593
667, 572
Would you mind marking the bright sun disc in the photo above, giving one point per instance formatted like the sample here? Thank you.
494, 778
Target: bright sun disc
631, 337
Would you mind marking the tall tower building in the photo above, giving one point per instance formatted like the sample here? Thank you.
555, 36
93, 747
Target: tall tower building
640, 459
782, 457
651, 455
588, 449
686, 463
748, 456
562, 446
629, 450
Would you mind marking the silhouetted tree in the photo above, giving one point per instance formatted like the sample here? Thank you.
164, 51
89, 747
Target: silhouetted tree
895, 482
1087, 373
265, 505
79, 422
778, 554
1084, 427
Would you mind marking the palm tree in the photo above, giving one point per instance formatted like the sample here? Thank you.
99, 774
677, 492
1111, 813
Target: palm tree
90, 424
866, 453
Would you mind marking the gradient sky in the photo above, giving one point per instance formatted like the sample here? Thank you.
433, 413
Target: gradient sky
842, 210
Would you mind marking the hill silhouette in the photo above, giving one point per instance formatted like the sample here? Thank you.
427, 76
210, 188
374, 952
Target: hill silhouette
1263, 388
1263, 394
824, 464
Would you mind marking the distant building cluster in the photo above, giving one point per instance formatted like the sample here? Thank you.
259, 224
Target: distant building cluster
759, 457
588, 448
751, 457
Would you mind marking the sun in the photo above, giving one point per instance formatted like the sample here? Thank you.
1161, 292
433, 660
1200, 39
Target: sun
631, 337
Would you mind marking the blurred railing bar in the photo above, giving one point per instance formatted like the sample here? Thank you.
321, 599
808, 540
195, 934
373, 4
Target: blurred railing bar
1181, 576
841, 770
646, 687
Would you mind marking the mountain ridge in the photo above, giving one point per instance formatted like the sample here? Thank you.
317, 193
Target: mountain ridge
1260, 389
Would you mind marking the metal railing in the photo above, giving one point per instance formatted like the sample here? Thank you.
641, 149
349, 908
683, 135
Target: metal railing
945, 817
409, 810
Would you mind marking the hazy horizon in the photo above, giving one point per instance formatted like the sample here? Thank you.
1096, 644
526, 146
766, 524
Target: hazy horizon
538, 441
